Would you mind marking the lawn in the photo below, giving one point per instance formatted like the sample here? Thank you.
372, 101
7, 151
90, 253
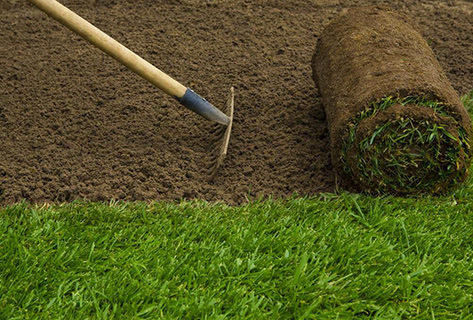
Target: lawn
331, 256
323, 257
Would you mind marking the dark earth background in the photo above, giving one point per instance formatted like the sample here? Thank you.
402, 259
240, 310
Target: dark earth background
75, 124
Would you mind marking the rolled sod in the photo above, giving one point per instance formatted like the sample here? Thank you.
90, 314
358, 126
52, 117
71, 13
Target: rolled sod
396, 124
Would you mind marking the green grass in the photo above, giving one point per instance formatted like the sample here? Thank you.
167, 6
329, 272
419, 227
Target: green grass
407, 155
467, 101
326, 257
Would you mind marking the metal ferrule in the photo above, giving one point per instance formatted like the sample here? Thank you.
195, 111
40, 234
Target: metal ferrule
199, 105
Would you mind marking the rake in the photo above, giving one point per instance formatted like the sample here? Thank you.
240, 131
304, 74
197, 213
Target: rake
146, 70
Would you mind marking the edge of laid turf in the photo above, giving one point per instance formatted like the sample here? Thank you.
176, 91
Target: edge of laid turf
322, 257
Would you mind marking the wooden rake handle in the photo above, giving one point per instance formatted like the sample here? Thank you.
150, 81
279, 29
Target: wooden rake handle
131, 60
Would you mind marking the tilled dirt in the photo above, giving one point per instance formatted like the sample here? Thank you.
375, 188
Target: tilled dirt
74, 124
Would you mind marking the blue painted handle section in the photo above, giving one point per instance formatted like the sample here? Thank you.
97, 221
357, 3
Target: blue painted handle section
199, 105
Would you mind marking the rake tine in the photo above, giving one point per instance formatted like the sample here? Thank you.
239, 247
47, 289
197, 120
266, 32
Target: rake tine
221, 149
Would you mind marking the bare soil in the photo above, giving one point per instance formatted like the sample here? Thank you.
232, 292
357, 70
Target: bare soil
74, 124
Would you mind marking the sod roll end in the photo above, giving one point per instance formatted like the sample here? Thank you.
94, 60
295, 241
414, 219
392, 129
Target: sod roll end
396, 124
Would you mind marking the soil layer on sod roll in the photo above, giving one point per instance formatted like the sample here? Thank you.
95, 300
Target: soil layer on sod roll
75, 124
396, 124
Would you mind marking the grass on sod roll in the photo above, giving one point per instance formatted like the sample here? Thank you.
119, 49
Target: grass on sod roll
467, 100
402, 146
388, 158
